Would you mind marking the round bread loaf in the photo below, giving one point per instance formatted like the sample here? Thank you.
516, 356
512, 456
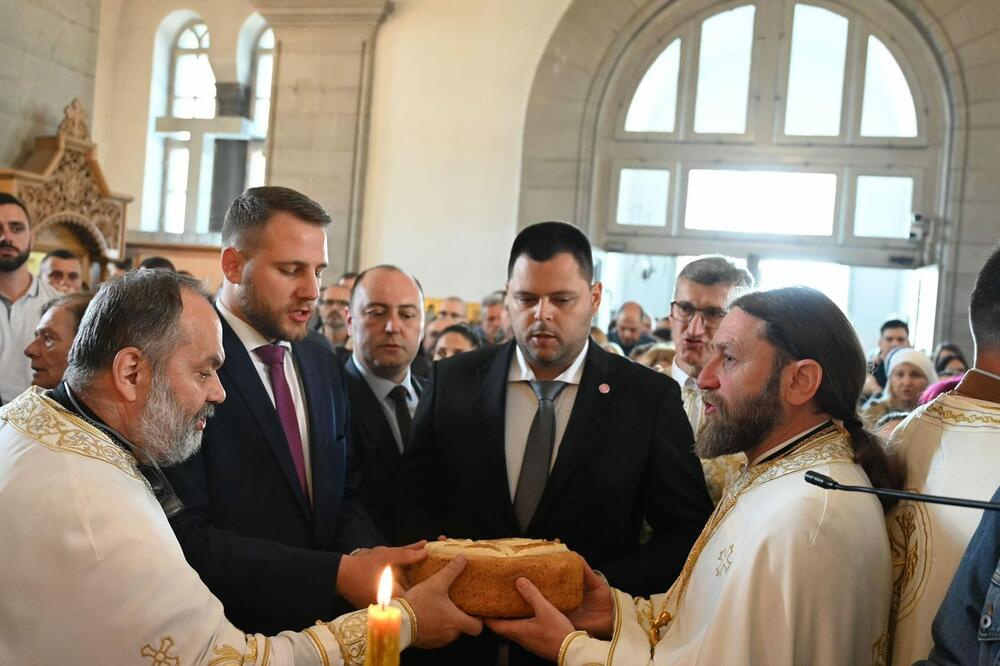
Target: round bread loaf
486, 587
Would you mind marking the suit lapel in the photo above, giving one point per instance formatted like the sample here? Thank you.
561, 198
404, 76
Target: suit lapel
589, 408
245, 380
491, 380
322, 429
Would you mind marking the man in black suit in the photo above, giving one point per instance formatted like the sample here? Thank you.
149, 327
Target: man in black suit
386, 319
550, 437
271, 501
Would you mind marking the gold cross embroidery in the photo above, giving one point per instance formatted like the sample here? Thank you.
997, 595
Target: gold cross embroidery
160, 656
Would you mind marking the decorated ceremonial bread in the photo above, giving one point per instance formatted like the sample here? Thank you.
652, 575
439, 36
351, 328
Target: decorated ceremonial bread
486, 586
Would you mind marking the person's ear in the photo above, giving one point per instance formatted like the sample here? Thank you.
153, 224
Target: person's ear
130, 374
596, 291
232, 264
803, 380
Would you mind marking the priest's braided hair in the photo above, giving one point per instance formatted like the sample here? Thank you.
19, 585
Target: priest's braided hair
804, 323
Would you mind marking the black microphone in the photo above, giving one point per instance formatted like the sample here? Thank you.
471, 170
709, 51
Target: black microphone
825, 482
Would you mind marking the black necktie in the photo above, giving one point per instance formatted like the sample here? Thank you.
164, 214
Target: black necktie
398, 395
537, 454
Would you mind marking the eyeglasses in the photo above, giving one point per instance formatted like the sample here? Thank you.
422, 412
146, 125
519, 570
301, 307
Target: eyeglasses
684, 312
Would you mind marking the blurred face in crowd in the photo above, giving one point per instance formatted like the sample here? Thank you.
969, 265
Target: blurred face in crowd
893, 338
333, 306
66, 275
906, 383
278, 277
387, 320
453, 311
551, 305
494, 319
49, 351
182, 397
432, 332
15, 238
628, 324
695, 315
451, 344
741, 388
954, 366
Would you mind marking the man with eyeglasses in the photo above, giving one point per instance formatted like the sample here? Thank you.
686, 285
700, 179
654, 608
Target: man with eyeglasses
333, 305
701, 293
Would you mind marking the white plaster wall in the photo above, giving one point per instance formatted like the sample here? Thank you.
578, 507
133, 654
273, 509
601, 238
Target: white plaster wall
449, 95
125, 65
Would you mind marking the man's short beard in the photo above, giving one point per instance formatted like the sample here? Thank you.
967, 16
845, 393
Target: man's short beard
740, 426
166, 433
264, 320
11, 264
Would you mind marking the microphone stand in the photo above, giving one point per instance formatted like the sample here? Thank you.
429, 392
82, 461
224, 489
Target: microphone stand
825, 482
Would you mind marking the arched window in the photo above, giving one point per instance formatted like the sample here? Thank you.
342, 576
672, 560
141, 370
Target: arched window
263, 69
805, 124
191, 96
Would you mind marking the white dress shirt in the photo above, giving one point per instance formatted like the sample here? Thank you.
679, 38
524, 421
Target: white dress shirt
381, 388
252, 339
694, 407
522, 405
17, 329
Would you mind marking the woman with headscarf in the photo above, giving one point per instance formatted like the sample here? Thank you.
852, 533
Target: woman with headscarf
908, 373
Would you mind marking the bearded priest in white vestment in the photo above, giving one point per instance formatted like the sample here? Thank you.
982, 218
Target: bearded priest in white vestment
90, 570
951, 446
784, 573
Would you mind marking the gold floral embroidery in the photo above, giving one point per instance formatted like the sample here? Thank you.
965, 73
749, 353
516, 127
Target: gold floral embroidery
48, 423
963, 417
351, 635
231, 656
159, 655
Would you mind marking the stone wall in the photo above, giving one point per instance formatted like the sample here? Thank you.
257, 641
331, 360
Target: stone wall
49, 54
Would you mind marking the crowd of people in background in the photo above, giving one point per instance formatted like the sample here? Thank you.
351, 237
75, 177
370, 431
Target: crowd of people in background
345, 391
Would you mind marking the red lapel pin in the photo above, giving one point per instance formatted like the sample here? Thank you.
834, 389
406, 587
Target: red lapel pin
604, 388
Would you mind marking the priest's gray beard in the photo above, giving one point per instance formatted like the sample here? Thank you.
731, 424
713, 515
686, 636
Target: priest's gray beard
739, 426
168, 435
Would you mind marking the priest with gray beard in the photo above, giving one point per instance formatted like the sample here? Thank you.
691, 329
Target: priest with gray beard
784, 573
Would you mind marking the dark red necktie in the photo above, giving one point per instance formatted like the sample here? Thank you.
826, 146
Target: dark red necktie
274, 357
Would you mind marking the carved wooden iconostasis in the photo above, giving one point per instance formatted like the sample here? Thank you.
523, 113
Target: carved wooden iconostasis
70, 204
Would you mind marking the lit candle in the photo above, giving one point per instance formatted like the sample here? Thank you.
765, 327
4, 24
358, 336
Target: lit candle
383, 626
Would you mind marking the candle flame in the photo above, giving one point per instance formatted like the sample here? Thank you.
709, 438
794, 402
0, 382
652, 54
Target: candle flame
385, 587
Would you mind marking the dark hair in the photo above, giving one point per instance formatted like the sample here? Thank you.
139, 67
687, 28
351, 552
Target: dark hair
76, 304
984, 304
136, 309
945, 359
157, 263
6, 198
803, 323
894, 323
465, 332
60, 253
385, 267
716, 269
251, 210
542, 241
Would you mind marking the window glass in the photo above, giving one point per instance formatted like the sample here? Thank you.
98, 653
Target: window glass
267, 39
187, 40
884, 205
262, 87
642, 197
256, 164
761, 202
816, 72
832, 279
654, 106
175, 198
724, 72
887, 107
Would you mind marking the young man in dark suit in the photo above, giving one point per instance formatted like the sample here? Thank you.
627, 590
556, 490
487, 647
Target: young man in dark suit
548, 436
386, 319
271, 502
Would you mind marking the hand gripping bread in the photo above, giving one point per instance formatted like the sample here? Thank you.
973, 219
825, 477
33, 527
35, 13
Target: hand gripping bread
486, 586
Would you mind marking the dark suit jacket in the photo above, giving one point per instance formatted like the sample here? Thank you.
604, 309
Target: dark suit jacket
375, 447
626, 455
248, 528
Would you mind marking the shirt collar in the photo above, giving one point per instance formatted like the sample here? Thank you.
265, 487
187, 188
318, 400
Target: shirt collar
248, 335
681, 377
788, 443
520, 371
381, 387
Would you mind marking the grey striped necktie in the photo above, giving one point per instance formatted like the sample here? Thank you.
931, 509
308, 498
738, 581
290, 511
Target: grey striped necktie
537, 454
